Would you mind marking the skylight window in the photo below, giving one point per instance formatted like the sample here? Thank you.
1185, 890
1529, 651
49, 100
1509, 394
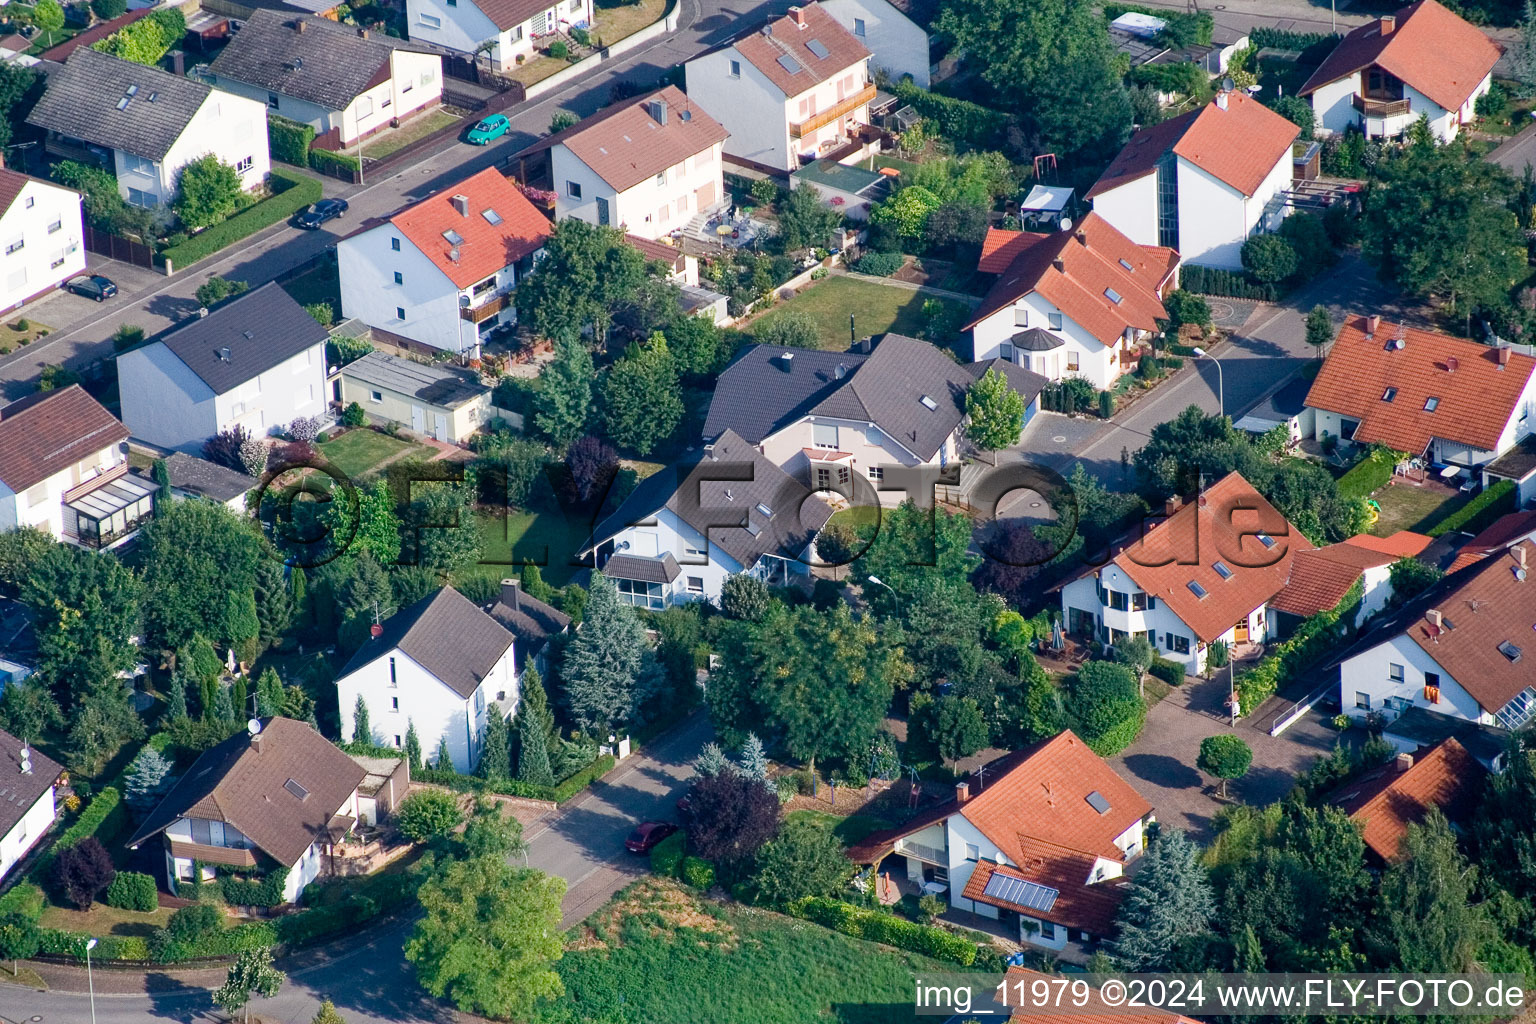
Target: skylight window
1196, 589
1431, 404
1113, 296
1097, 802
1389, 394
1222, 570
491, 216
789, 64
1127, 264
453, 237
1510, 651
296, 789
816, 47
1266, 540
928, 403
764, 510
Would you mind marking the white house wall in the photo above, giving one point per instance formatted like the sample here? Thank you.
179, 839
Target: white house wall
277, 397
1369, 673
1213, 218
42, 505
650, 209
26, 832
1131, 209
871, 448
415, 82
1096, 361
367, 264
899, 45
463, 27
750, 107
695, 556
1334, 104
49, 254
164, 402
230, 127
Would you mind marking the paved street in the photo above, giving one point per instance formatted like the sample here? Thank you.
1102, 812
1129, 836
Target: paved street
370, 981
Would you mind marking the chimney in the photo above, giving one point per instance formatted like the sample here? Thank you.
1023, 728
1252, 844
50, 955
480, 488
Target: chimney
510, 591
362, 33
1503, 356
1172, 505
1060, 264
299, 26
1388, 23
798, 13
1082, 236
1221, 99
1404, 762
1519, 552
658, 111
1371, 323
256, 738
461, 205
1435, 618
962, 792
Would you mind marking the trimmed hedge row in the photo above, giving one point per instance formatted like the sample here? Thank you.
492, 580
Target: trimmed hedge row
324, 160
1367, 476
559, 792
1120, 735
1170, 672
959, 121
667, 856
308, 925
1292, 655
1313, 46
1187, 79
1230, 283
884, 928
1479, 513
289, 140
223, 942
298, 191
879, 264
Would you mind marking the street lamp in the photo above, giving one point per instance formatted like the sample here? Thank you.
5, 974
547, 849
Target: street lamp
1221, 385
90, 982
877, 581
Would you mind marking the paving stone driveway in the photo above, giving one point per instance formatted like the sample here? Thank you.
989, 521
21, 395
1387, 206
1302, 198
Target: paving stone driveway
1161, 763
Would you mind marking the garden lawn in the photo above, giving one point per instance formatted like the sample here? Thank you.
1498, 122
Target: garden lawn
1406, 507
538, 69
319, 284
876, 309
547, 535
359, 452
13, 336
616, 21
104, 920
418, 128
660, 954
849, 829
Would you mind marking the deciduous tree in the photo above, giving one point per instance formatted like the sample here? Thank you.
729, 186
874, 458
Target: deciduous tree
563, 399
586, 273
805, 219
252, 973
642, 404
192, 554
995, 412
730, 817
208, 191
1226, 757
428, 813
804, 859
83, 871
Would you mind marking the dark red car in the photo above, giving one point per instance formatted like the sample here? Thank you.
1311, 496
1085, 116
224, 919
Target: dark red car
647, 834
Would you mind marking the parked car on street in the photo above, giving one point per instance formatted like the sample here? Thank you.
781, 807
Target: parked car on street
92, 286
647, 834
319, 213
488, 130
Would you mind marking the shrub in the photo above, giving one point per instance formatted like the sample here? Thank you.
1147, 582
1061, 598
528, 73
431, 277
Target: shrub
1185, 77
1269, 258
1479, 513
1106, 404
191, 923
698, 872
1106, 707
1368, 475
354, 416
106, 10
1492, 103
297, 191
667, 856
883, 927
266, 891
323, 312
83, 872
1170, 672
133, 890
304, 429
428, 813
879, 264
966, 124
1185, 307
126, 336
791, 328
559, 50
764, 190
24, 900
289, 141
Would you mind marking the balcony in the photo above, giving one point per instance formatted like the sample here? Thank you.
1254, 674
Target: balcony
487, 309
1380, 108
926, 854
847, 106
231, 856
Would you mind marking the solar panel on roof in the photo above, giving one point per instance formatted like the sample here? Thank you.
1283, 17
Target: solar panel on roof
789, 64
816, 47
1021, 893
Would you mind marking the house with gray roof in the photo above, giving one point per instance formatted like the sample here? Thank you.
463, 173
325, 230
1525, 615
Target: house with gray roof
27, 810
257, 361
724, 510
336, 78
505, 32
193, 477
144, 125
829, 419
429, 398
532, 622
438, 665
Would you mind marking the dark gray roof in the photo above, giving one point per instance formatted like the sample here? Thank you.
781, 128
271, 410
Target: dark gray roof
83, 97
257, 330
444, 633
435, 385
326, 63
647, 570
1424, 727
19, 792
1036, 340
761, 392
718, 492
206, 479
532, 621
1026, 382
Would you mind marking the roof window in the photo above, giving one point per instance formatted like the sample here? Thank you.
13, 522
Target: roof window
1431, 403
1510, 651
1196, 589
1113, 296
764, 510
1097, 802
1222, 570
929, 403
1127, 264
491, 216
1266, 540
296, 789
453, 237
1389, 394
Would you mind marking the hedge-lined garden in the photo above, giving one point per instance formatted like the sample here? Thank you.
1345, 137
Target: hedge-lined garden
559, 793
1230, 283
291, 193
1478, 514
1369, 475
1291, 656
887, 928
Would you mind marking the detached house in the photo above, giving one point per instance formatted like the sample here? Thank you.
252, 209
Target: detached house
335, 78
1075, 303
725, 510
647, 165
438, 664
787, 92
1457, 649
1422, 60
505, 31
144, 125
439, 401
1386, 800
40, 227
1424, 393
279, 795
27, 779
1322, 577
892, 29
441, 272
1043, 843
257, 361
1206, 572
1203, 182
826, 418
63, 469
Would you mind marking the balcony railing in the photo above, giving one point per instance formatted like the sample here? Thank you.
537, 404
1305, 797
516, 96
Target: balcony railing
1380, 108
487, 309
927, 854
832, 113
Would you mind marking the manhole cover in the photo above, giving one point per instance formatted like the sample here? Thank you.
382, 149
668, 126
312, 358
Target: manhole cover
1034, 504
1060, 439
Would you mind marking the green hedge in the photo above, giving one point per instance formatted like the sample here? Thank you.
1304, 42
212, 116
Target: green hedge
1479, 513
309, 925
879, 264
133, 890
1368, 475
1187, 79
297, 192
887, 928
667, 856
266, 891
698, 872
1121, 735
1313, 46
324, 160
1170, 672
1199, 27
1293, 655
1231, 283
288, 140
25, 899
584, 778
221, 943
558, 793
104, 815
959, 121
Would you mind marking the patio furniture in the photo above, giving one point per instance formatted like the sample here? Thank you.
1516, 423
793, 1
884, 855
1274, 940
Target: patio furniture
935, 888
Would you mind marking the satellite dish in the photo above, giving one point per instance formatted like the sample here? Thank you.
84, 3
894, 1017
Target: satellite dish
1066, 223
1226, 84
1520, 575
253, 727
376, 630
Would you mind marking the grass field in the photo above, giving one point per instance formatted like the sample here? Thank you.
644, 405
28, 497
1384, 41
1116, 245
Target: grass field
1405, 507
104, 920
548, 536
848, 828
357, 453
616, 20
399, 138
658, 954
876, 308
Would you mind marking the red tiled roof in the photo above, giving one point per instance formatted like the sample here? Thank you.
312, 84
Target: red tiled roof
1387, 800
1000, 247
671, 255
784, 38
1321, 577
484, 248
624, 145
1476, 398
49, 431
1080, 905
1222, 525
1091, 256
1431, 49
1240, 145
1503, 532
1402, 544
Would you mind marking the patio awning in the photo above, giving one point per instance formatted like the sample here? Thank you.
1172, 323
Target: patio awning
113, 497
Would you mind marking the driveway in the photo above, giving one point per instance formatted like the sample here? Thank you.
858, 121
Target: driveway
369, 979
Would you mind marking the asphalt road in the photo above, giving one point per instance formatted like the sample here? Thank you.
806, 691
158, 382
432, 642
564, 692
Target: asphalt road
370, 981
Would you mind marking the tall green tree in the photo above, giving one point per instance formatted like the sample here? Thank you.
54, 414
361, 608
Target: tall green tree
1522, 56
1180, 450
1170, 903
642, 404
995, 412
563, 399
586, 273
208, 191
366, 598
440, 528
805, 219
804, 859
372, 526
85, 607
1427, 918
609, 667
362, 725
1505, 844
490, 937
1226, 757
913, 548
1319, 329
192, 554
252, 973
274, 600
20, 89
534, 725
496, 758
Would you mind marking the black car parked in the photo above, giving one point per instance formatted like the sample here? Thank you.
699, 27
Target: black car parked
319, 213
92, 286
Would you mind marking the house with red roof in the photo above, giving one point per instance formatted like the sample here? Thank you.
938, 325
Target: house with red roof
1322, 577
1207, 571
1041, 843
1077, 303
1430, 395
440, 273
1203, 182
1386, 800
1421, 60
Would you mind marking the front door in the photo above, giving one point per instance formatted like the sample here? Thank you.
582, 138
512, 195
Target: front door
418, 419
602, 211
441, 425
1240, 631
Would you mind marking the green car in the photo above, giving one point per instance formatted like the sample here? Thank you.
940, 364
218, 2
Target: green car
489, 130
